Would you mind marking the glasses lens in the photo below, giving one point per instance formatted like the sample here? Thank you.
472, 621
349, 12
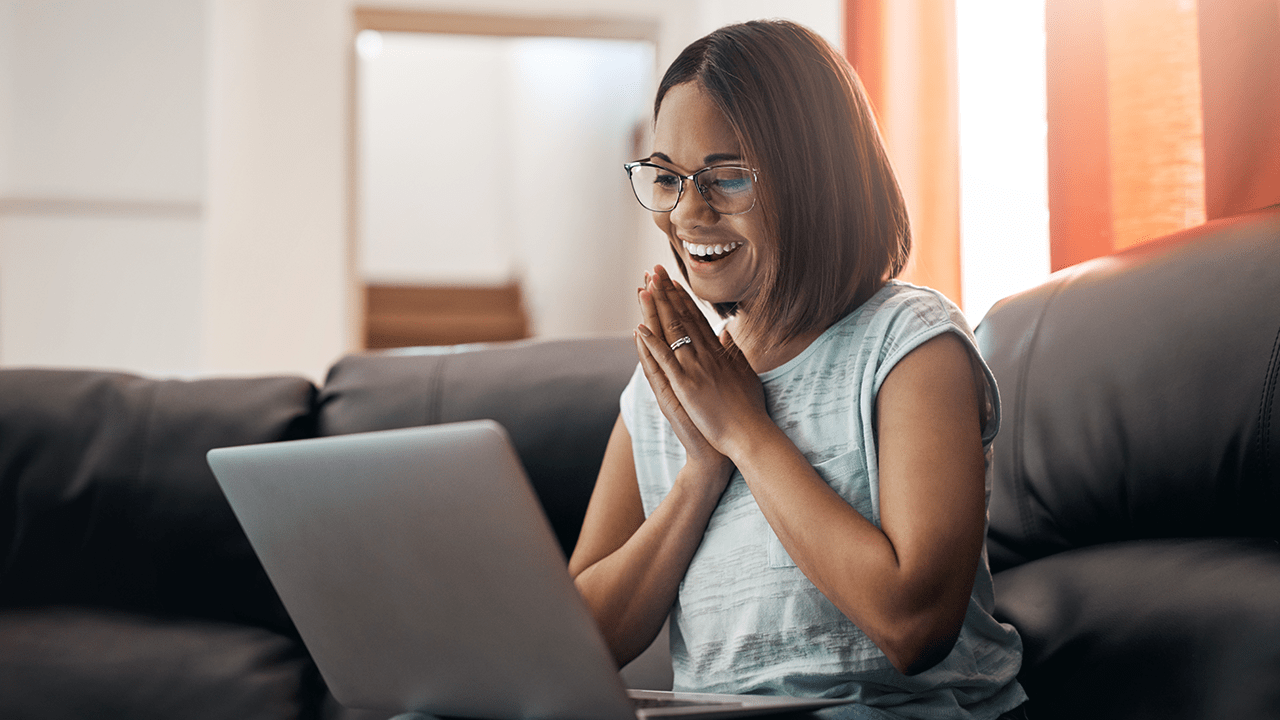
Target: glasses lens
728, 190
655, 188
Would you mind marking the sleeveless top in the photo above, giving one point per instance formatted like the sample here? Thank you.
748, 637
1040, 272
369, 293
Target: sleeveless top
746, 620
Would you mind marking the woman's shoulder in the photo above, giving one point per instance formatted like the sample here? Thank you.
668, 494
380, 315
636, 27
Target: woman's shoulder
897, 295
900, 307
898, 313
894, 321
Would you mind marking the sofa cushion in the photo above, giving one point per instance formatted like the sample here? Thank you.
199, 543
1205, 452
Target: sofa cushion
1160, 629
558, 399
106, 499
82, 664
1139, 395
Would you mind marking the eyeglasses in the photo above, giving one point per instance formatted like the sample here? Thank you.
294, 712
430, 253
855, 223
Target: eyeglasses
727, 189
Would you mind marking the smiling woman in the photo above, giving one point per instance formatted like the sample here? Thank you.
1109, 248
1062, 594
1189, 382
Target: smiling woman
802, 490
826, 177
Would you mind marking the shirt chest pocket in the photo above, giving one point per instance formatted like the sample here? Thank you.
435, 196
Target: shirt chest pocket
847, 475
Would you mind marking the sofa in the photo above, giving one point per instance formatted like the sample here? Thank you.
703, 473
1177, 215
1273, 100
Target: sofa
1135, 507
1133, 515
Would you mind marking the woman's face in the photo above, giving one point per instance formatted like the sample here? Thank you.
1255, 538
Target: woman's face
722, 253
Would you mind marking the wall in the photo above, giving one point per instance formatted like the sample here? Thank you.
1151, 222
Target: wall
580, 246
8, 9
507, 167
434, 154
277, 279
102, 124
174, 175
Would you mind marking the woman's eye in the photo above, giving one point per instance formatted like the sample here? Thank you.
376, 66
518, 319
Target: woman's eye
666, 181
732, 185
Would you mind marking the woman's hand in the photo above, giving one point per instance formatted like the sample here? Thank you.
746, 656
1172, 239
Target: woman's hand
706, 387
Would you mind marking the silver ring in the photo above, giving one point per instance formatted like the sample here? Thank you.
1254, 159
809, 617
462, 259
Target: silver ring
682, 341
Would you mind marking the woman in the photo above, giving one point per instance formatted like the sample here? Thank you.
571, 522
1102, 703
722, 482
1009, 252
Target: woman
804, 494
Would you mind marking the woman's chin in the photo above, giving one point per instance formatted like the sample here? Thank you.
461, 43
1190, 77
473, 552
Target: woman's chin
711, 294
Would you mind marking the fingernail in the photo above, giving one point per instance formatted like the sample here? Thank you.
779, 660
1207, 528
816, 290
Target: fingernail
643, 331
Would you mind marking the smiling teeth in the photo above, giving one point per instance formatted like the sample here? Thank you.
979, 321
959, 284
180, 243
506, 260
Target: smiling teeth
710, 250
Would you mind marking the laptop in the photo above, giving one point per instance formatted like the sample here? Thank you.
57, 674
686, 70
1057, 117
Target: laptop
423, 576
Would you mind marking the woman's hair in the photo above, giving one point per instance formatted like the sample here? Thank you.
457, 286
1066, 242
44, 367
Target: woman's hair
831, 203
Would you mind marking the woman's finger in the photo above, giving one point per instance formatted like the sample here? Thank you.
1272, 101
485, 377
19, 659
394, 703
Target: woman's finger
670, 325
648, 308
668, 401
679, 317
658, 314
694, 321
660, 352
652, 370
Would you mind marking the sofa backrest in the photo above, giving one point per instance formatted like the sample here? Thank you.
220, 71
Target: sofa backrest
1139, 395
558, 400
106, 499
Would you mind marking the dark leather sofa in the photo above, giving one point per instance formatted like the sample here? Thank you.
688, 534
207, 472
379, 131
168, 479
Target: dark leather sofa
1133, 515
1135, 511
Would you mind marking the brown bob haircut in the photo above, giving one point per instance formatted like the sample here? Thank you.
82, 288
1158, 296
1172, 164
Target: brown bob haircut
831, 202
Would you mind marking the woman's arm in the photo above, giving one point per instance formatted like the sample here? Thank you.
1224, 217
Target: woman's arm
627, 568
907, 583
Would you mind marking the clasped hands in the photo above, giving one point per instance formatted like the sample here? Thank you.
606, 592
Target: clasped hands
706, 388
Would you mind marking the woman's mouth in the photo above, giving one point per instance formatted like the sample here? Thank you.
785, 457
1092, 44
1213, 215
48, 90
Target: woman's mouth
710, 253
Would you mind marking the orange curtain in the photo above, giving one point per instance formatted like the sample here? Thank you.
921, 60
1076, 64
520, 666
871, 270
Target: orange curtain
905, 53
1240, 79
1161, 114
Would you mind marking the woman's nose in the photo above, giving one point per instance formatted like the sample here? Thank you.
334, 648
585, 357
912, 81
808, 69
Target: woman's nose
691, 209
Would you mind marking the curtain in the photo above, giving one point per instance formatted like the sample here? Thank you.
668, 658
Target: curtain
1161, 114
905, 53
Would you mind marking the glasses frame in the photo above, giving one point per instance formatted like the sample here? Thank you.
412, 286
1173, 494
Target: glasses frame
631, 166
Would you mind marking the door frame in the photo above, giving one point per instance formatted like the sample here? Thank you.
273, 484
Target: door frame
448, 23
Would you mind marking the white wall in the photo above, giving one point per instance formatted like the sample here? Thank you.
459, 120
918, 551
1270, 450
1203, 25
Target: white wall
102, 131
108, 99
575, 214
507, 166
435, 162
822, 16
7, 10
174, 175
277, 286
100, 291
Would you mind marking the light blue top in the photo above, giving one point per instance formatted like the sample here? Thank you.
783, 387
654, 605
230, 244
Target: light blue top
746, 619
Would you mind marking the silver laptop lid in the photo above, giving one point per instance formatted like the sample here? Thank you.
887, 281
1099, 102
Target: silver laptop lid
421, 573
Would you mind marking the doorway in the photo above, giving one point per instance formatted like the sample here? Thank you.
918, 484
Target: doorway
488, 195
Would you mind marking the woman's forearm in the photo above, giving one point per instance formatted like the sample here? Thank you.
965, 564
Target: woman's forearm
631, 590
893, 594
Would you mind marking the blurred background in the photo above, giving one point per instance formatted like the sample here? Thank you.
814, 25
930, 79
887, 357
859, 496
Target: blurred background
211, 187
